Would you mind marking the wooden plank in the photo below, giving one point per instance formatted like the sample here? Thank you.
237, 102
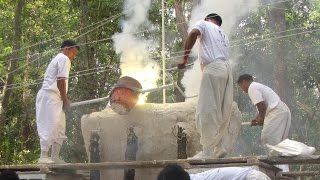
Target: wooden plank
300, 173
315, 159
222, 160
219, 162
118, 165
223, 165
129, 164
26, 167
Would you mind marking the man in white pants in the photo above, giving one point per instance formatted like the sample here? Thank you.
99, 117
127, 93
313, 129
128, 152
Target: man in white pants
51, 101
273, 114
216, 89
175, 172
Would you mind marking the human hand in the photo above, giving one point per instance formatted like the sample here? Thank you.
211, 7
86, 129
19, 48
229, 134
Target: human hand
66, 104
256, 122
183, 64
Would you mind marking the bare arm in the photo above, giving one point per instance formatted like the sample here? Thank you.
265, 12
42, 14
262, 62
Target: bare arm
61, 83
259, 120
191, 40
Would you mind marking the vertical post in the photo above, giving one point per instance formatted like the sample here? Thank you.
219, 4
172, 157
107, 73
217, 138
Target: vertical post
163, 55
94, 154
131, 152
182, 143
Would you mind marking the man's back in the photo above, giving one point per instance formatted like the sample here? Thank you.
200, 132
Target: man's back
213, 42
259, 92
228, 173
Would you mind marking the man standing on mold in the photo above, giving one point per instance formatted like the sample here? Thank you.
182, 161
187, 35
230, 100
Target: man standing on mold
52, 100
216, 89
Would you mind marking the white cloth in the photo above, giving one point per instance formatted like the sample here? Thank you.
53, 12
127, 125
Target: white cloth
230, 173
214, 103
290, 148
50, 116
213, 42
259, 92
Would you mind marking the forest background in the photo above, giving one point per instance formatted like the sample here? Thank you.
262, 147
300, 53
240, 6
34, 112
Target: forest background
277, 42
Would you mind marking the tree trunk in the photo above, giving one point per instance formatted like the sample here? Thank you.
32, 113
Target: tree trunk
86, 58
278, 24
13, 63
279, 52
182, 26
27, 104
181, 19
86, 85
179, 6
85, 54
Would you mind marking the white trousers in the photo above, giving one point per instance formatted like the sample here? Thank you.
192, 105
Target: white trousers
50, 118
276, 125
214, 103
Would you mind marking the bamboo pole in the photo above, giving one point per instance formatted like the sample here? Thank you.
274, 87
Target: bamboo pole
300, 173
163, 53
185, 163
312, 159
107, 98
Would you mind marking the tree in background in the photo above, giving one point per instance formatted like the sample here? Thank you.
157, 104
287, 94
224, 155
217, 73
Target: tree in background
278, 44
278, 47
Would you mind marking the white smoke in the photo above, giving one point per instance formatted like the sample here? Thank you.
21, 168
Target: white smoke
133, 48
229, 10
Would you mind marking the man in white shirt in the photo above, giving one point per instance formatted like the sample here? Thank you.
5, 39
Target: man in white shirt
273, 114
216, 89
175, 172
51, 101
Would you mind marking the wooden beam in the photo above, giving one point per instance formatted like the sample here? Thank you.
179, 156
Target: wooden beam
186, 163
314, 159
300, 173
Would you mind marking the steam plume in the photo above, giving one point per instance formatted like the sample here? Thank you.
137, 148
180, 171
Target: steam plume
133, 47
229, 10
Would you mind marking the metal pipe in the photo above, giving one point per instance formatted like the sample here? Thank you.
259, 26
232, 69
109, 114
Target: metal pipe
245, 123
175, 68
89, 101
107, 98
180, 90
155, 89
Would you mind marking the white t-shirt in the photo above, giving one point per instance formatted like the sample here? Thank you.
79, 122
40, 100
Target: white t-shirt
259, 92
58, 67
213, 42
227, 173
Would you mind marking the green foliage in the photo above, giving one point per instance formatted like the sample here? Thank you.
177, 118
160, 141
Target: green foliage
13, 146
46, 23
